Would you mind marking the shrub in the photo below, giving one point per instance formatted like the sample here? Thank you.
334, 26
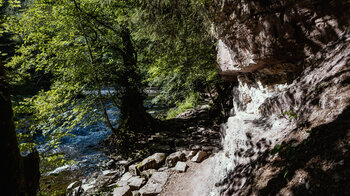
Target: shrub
189, 103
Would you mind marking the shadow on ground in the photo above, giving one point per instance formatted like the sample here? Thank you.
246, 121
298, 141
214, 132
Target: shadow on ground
319, 165
192, 130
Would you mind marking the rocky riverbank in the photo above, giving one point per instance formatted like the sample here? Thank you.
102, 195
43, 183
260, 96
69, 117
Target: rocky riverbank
147, 177
187, 139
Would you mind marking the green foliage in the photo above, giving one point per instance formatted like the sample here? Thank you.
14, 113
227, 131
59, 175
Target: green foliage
14, 3
189, 103
276, 149
54, 113
83, 48
177, 49
318, 88
49, 162
287, 151
285, 173
56, 184
290, 114
79, 47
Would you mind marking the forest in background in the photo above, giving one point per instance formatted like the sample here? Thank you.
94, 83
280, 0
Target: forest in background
60, 55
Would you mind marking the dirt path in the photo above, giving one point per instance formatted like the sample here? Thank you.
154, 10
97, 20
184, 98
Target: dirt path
196, 181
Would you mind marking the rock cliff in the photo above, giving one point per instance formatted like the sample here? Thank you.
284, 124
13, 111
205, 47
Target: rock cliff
289, 129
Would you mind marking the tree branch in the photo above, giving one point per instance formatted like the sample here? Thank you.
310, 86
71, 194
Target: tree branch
109, 124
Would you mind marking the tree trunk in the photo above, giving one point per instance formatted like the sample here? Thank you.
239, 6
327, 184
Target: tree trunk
19, 176
133, 114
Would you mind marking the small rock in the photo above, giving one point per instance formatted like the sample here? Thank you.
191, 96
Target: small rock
151, 162
133, 169
88, 185
148, 173
173, 158
163, 169
111, 164
180, 166
190, 154
73, 185
109, 173
341, 162
112, 185
136, 182
122, 191
124, 179
200, 156
76, 191
155, 184
123, 162
196, 147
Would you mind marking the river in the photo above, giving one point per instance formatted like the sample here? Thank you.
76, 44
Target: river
84, 146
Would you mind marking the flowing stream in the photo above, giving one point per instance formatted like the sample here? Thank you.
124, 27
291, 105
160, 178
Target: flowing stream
84, 146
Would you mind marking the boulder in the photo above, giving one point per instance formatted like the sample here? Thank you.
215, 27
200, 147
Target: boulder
147, 173
125, 179
181, 166
200, 156
107, 177
133, 169
151, 162
173, 158
155, 184
95, 185
136, 182
122, 191
190, 154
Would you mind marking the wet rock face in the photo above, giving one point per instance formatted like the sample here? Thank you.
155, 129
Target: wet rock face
254, 34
